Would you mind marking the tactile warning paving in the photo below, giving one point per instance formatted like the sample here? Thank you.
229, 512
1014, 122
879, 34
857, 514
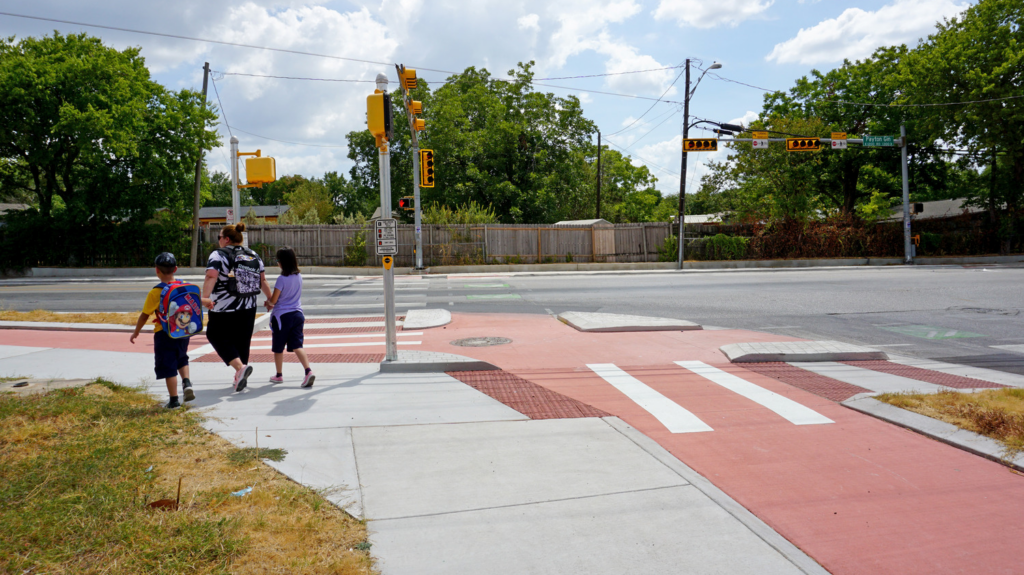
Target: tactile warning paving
926, 375
807, 380
530, 399
313, 358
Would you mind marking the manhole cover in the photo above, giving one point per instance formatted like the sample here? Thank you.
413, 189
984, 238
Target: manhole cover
481, 341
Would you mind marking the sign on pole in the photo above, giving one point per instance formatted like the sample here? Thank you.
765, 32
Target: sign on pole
759, 141
838, 140
878, 141
387, 237
230, 216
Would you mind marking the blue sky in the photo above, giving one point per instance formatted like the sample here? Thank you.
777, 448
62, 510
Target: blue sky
766, 43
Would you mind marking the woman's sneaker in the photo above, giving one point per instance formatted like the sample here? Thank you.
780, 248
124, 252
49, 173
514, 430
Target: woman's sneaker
241, 377
276, 379
187, 387
308, 381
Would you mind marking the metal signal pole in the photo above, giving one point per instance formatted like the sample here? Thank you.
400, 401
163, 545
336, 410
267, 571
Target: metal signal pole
598, 215
194, 254
907, 257
682, 176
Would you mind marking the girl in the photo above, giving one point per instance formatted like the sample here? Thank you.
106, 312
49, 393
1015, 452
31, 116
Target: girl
286, 319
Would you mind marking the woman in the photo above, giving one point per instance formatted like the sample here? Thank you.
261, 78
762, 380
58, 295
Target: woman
234, 279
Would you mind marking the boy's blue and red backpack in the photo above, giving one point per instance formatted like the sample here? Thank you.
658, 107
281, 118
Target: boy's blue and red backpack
180, 312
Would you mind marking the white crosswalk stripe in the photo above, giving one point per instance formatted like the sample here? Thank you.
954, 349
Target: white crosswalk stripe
785, 407
668, 412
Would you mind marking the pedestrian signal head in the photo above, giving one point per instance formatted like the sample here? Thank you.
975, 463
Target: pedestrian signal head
426, 168
407, 203
803, 144
700, 144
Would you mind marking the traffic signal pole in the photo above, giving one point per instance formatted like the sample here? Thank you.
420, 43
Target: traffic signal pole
682, 175
390, 331
417, 213
235, 207
907, 254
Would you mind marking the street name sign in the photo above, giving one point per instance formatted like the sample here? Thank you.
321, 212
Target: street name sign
759, 141
838, 140
387, 237
878, 141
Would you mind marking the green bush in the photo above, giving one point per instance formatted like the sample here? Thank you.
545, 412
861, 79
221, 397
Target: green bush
723, 247
355, 251
669, 250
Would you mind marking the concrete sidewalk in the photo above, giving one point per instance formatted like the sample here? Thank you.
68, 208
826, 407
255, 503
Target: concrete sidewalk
453, 481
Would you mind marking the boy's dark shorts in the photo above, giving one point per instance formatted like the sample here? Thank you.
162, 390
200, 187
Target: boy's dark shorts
170, 354
287, 329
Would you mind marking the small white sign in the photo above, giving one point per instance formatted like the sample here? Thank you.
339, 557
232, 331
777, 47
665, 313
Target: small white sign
759, 144
230, 215
838, 144
387, 236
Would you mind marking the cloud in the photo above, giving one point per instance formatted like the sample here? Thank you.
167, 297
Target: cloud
528, 22
856, 33
705, 14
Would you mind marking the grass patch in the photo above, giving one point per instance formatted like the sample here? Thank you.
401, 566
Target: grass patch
78, 466
248, 454
997, 413
10, 379
118, 318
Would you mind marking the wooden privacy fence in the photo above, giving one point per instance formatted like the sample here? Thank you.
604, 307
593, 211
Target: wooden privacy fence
338, 245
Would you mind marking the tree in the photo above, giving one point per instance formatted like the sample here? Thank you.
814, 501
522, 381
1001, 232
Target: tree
84, 124
978, 57
310, 203
497, 143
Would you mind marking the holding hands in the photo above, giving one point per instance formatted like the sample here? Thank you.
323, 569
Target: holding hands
268, 304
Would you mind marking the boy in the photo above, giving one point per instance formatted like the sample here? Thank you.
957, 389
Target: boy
170, 355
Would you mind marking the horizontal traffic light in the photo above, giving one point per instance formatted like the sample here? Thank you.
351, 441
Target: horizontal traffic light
426, 168
700, 144
407, 203
803, 144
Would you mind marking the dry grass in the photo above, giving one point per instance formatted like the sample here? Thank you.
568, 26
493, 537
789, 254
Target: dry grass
45, 315
997, 413
75, 481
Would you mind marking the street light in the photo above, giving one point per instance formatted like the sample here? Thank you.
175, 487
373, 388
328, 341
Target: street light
686, 134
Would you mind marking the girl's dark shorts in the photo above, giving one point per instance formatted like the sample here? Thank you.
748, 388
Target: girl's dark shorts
287, 330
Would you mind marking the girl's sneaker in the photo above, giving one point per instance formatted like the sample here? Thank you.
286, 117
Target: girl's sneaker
308, 381
241, 377
276, 379
187, 387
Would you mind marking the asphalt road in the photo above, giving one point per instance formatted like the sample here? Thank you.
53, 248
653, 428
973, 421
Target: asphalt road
954, 313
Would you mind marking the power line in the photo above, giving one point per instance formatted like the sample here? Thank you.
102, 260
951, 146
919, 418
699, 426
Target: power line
848, 103
680, 75
179, 37
287, 142
652, 129
222, 112
612, 73
290, 77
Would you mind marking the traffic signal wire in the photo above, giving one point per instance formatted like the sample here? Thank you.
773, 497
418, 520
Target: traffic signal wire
680, 75
223, 114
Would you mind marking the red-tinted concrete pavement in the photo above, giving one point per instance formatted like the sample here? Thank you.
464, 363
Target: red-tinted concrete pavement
859, 495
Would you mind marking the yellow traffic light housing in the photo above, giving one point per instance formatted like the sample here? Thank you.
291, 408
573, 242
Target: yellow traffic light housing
260, 170
700, 144
378, 114
426, 168
803, 144
409, 78
415, 107
420, 124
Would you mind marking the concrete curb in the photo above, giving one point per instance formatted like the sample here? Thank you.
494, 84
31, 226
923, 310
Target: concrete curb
58, 326
411, 361
262, 322
798, 351
945, 432
759, 528
612, 322
544, 268
426, 318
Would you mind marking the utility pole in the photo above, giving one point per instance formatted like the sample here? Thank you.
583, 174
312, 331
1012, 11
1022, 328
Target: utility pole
598, 214
682, 171
403, 75
194, 254
908, 258
235, 207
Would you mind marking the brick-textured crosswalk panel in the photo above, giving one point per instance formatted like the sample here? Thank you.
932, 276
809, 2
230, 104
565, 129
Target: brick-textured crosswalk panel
528, 398
925, 375
807, 380
313, 358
